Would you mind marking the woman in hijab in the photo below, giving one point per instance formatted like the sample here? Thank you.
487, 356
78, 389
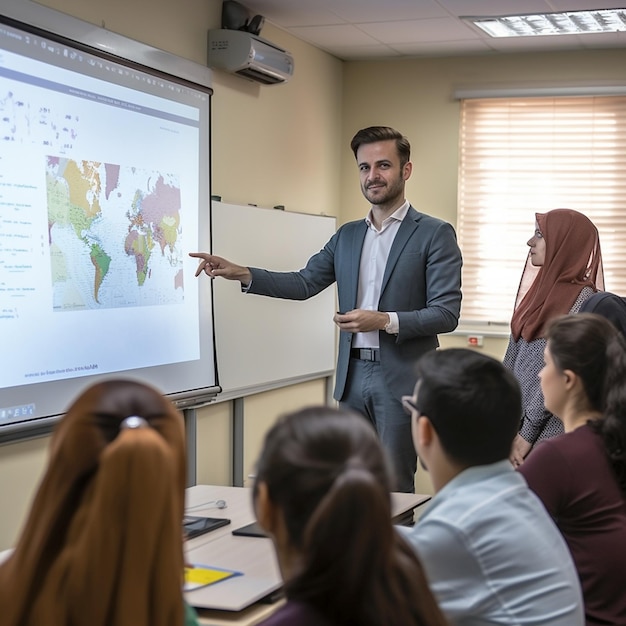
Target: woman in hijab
563, 269
102, 544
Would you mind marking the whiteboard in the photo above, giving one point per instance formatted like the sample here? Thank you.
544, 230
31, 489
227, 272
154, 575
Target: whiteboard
262, 342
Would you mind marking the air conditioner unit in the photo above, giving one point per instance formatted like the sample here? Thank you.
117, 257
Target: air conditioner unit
248, 55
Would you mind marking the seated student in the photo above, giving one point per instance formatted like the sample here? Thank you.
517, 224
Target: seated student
322, 493
581, 476
102, 544
491, 553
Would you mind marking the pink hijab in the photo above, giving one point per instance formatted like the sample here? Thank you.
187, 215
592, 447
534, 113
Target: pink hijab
573, 261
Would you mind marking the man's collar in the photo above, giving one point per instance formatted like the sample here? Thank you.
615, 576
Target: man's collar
399, 214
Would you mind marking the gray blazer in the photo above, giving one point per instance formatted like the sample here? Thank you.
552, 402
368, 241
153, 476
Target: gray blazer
422, 283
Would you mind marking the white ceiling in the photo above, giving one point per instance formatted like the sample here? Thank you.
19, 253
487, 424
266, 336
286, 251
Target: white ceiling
379, 29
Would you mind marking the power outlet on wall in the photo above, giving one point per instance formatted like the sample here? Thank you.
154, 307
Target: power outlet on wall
475, 341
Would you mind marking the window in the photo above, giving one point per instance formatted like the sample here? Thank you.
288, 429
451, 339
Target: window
521, 156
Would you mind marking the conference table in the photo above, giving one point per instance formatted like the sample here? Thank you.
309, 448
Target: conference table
248, 598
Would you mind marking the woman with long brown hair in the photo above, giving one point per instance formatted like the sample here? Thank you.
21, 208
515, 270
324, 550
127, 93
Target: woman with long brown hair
102, 544
322, 492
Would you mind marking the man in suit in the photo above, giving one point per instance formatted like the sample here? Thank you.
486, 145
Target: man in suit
398, 275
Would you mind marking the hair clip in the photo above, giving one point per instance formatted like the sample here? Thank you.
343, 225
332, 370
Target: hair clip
134, 421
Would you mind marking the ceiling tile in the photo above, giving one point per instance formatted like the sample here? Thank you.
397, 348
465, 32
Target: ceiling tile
287, 13
363, 53
585, 5
447, 48
489, 7
440, 29
360, 11
329, 35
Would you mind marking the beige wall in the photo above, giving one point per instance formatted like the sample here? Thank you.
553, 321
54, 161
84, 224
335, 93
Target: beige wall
21, 465
288, 144
214, 463
261, 411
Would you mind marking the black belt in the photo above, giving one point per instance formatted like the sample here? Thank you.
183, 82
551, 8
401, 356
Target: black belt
365, 354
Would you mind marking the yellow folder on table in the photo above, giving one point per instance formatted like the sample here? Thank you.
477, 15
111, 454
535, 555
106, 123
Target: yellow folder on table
202, 575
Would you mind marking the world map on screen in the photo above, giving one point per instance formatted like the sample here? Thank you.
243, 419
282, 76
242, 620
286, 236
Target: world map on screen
114, 235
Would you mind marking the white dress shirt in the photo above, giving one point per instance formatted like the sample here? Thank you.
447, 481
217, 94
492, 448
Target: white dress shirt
374, 256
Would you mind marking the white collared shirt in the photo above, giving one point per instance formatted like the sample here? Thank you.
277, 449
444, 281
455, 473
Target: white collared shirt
374, 257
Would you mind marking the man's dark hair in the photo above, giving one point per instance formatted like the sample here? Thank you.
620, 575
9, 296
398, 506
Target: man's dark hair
473, 402
373, 134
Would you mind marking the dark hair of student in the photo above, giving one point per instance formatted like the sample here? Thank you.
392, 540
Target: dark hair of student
373, 134
326, 471
590, 346
473, 403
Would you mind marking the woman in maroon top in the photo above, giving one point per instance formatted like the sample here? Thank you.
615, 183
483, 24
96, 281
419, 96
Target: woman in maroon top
581, 475
322, 492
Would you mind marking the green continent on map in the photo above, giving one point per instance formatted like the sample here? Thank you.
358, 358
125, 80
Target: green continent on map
101, 261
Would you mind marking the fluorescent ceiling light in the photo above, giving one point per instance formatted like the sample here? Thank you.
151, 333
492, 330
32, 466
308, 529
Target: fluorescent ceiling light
566, 23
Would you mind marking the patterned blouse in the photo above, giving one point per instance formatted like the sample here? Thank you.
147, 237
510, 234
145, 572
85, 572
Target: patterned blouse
525, 360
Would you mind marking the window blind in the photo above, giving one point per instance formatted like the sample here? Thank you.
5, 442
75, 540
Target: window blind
521, 156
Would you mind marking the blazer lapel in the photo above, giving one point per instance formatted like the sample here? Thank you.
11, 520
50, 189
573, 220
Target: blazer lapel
358, 235
407, 227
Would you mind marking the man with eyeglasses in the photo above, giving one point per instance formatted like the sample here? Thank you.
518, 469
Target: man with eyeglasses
491, 552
